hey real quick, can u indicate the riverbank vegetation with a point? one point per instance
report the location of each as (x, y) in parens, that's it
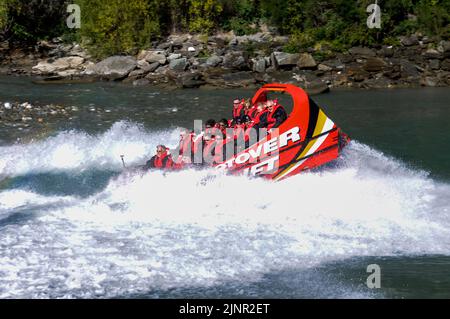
(123, 27)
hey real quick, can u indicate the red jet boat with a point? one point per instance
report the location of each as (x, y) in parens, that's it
(306, 140)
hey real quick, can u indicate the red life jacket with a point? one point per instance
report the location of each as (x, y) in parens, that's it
(214, 148)
(239, 131)
(252, 112)
(164, 161)
(238, 111)
(270, 119)
(259, 115)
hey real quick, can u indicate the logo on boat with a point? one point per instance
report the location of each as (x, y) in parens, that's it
(269, 148)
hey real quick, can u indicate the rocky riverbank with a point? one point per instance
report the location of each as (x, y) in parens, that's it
(229, 61)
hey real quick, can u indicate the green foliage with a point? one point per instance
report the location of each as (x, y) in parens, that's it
(203, 15)
(241, 16)
(3, 17)
(28, 20)
(434, 17)
(116, 26)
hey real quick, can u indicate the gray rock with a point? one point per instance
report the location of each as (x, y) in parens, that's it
(317, 87)
(362, 51)
(179, 38)
(178, 64)
(408, 69)
(324, 68)
(306, 61)
(115, 67)
(374, 65)
(429, 81)
(409, 40)
(260, 37)
(192, 80)
(214, 61)
(435, 64)
(137, 73)
(234, 41)
(174, 56)
(156, 56)
(432, 54)
(141, 82)
(444, 47)
(235, 60)
(153, 67)
(393, 72)
(283, 60)
(260, 65)
(61, 64)
(446, 65)
(144, 65)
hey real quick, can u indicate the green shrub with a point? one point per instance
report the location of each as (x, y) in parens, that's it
(116, 26)
(31, 20)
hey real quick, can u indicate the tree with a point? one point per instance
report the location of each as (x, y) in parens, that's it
(29, 20)
(117, 26)
(203, 15)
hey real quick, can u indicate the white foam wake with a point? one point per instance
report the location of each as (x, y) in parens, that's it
(201, 228)
(75, 150)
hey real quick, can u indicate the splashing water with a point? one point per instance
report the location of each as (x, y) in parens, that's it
(145, 235)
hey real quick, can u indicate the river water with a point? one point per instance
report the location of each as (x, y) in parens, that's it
(72, 225)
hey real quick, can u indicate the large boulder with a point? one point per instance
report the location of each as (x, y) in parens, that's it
(434, 64)
(147, 67)
(192, 80)
(174, 56)
(115, 67)
(408, 70)
(153, 56)
(409, 40)
(429, 81)
(284, 60)
(260, 65)
(374, 65)
(306, 61)
(58, 65)
(432, 54)
(444, 47)
(446, 65)
(178, 64)
(214, 61)
(235, 60)
(362, 51)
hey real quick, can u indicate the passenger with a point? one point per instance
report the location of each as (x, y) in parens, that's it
(276, 116)
(210, 130)
(238, 110)
(162, 159)
(246, 109)
(260, 119)
(252, 111)
(222, 126)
